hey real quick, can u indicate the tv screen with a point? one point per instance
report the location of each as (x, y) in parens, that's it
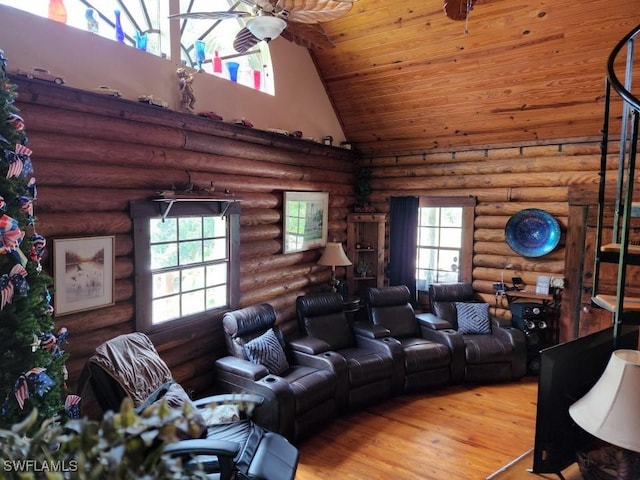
(567, 372)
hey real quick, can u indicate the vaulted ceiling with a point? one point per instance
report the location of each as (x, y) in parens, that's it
(404, 78)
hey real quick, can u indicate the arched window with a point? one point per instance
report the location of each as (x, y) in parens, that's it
(145, 24)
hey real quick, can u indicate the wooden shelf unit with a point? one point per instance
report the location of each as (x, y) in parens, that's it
(365, 249)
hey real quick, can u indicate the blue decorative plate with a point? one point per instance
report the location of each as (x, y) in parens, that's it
(532, 232)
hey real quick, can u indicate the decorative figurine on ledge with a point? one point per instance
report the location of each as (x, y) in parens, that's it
(185, 79)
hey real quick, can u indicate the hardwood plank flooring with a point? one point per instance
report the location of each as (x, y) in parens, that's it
(462, 432)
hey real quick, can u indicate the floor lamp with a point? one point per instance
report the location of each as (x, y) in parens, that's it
(609, 411)
(334, 256)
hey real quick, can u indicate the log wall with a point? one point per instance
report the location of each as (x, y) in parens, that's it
(505, 181)
(94, 154)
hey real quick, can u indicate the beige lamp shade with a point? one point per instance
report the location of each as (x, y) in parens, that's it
(609, 411)
(334, 256)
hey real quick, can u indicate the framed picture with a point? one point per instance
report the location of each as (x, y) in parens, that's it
(82, 273)
(305, 220)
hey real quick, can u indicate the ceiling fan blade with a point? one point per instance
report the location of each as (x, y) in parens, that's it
(244, 40)
(457, 9)
(212, 15)
(314, 11)
(307, 35)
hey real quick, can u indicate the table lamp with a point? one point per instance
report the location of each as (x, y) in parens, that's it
(609, 411)
(334, 256)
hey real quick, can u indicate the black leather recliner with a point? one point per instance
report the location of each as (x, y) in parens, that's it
(427, 363)
(366, 360)
(299, 399)
(230, 448)
(498, 354)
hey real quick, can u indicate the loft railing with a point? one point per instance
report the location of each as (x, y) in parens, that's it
(624, 208)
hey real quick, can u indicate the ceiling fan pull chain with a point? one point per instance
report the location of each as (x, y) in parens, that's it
(466, 21)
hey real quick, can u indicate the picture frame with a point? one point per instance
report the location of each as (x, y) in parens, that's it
(306, 218)
(83, 273)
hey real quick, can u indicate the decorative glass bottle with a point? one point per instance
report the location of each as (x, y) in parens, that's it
(57, 11)
(92, 23)
(119, 31)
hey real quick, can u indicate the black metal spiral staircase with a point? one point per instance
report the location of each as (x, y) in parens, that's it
(621, 251)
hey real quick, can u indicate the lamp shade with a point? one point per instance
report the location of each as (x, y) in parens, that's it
(334, 256)
(266, 27)
(609, 411)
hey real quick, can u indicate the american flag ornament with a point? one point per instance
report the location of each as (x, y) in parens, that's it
(6, 290)
(18, 276)
(16, 121)
(39, 381)
(15, 164)
(72, 406)
(21, 391)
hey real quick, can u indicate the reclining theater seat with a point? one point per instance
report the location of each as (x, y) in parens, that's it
(298, 399)
(491, 351)
(129, 366)
(426, 363)
(369, 366)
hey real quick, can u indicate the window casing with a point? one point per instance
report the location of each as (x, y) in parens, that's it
(186, 264)
(445, 240)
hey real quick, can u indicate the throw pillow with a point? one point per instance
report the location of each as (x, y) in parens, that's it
(473, 318)
(266, 350)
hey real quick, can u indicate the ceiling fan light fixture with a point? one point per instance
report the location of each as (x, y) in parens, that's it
(266, 27)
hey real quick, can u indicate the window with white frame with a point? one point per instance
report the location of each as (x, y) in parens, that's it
(144, 24)
(186, 261)
(445, 241)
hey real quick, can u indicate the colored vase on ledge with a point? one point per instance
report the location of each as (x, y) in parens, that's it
(119, 31)
(57, 11)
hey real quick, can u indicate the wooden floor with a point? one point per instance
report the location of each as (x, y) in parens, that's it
(462, 432)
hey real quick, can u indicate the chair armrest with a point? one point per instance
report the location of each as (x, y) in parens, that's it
(369, 330)
(229, 398)
(309, 345)
(201, 450)
(450, 338)
(241, 367)
(429, 320)
(203, 446)
(508, 334)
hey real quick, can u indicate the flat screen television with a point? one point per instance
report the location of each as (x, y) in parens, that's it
(567, 372)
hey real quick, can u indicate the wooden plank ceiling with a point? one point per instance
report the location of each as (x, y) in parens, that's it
(405, 79)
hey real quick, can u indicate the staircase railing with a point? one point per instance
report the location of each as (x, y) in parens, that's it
(624, 208)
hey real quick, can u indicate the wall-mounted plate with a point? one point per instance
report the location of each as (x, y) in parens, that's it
(532, 232)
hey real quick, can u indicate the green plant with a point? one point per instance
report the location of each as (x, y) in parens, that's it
(123, 446)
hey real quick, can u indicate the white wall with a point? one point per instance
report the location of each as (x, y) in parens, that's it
(86, 61)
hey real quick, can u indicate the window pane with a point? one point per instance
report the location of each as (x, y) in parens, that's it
(451, 217)
(429, 216)
(451, 237)
(217, 274)
(428, 237)
(216, 297)
(190, 228)
(193, 302)
(214, 227)
(164, 255)
(192, 278)
(160, 231)
(165, 284)
(448, 260)
(166, 309)
(190, 252)
(215, 249)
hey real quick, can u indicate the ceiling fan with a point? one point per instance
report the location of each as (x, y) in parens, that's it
(458, 9)
(296, 20)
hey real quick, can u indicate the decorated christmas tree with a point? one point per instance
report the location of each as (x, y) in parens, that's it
(32, 370)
